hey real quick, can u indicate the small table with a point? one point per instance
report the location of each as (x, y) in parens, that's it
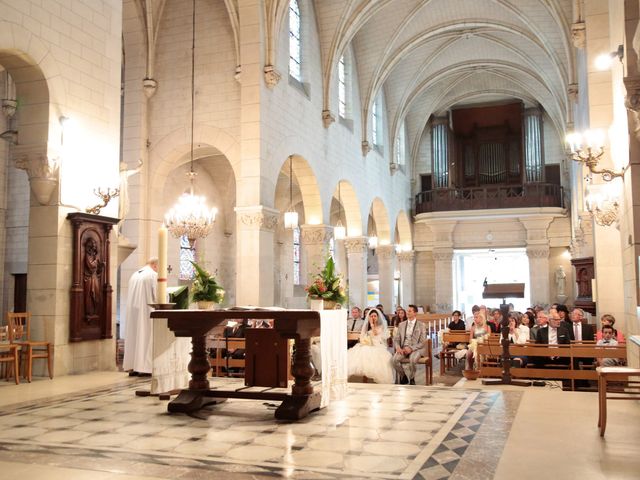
(300, 325)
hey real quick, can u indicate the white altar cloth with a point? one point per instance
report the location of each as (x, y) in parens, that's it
(171, 357)
(333, 348)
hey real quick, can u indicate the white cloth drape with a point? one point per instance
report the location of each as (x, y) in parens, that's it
(171, 356)
(333, 347)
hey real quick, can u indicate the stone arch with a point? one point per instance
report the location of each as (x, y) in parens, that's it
(307, 184)
(381, 218)
(350, 207)
(403, 229)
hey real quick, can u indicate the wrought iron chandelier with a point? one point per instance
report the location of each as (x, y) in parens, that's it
(290, 216)
(190, 216)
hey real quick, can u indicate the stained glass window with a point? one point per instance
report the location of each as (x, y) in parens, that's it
(296, 256)
(187, 255)
(342, 88)
(295, 45)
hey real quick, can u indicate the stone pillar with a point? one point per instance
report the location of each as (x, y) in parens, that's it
(254, 275)
(443, 257)
(386, 269)
(538, 253)
(357, 250)
(314, 240)
(407, 277)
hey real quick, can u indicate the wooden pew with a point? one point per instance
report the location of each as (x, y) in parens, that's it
(447, 355)
(570, 352)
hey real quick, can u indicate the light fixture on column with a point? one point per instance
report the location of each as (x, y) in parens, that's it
(602, 204)
(339, 232)
(291, 216)
(604, 61)
(190, 216)
(587, 148)
(9, 102)
(373, 242)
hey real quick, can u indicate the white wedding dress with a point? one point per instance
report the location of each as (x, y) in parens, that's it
(371, 358)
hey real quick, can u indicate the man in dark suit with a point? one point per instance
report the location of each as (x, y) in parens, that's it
(580, 331)
(554, 334)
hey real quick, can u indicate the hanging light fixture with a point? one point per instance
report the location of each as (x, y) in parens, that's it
(291, 216)
(190, 216)
(339, 232)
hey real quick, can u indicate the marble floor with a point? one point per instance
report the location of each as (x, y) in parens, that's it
(93, 426)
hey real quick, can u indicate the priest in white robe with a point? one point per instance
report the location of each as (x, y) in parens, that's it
(138, 339)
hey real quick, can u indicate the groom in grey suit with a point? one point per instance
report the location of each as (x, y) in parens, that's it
(408, 342)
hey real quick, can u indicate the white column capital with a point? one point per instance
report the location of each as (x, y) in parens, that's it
(407, 256)
(356, 245)
(257, 217)
(442, 254)
(386, 252)
(316, 234)
(538, 251)
(41, 165)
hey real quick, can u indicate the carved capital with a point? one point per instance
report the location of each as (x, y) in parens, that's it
(572, 91)
(393, 168)
(407, 256)
(327, 118)
(443, 255)
(9, 106)
(386, 252)
(539, 251)
(632, 99)
(271, 76)
(315, 234)
(366, 148)
(356, 245)
(149, 86)
(579, 34)
(41, 168)
(238, 74)
(257, 218)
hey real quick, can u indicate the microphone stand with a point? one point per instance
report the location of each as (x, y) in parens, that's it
(506, 355)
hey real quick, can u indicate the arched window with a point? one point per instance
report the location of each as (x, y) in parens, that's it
(375, 124)
(295, 44)
(401, 146)
(342, 88)
(187, 255)
(296, 256)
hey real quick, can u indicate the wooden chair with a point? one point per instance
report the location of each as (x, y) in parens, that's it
(427, 361)
(447, 355)
(9, 354)
(615, 374)
(20, 334)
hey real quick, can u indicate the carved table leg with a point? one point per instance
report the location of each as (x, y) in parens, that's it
(302, 400)
(194, 398)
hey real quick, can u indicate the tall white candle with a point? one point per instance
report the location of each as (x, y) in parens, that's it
(162, 264)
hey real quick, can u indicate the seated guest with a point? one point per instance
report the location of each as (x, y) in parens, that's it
(479, 329)
(610, 320)
(470, 320)
(494, 321)
(542, 321)
(554, 334)
(528, 319)
(380, 307)
(517, 334)
(578, 329)
(563, 311)
(607, 339)
(399, 317)
(408, 342)
(355, 321)
(370, 357)
(456, 322)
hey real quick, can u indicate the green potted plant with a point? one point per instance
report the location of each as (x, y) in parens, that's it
(327, 286)
(205, 291)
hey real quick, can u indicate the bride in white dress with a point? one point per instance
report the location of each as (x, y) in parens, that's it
(370, 356)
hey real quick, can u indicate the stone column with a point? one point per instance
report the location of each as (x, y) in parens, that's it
(357, 250)
(314, 240)
(254, 275)
(538, 253)
(443, 257)
(386, 269)
(407, 277)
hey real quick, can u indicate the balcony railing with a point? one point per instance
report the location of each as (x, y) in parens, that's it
(511, 196)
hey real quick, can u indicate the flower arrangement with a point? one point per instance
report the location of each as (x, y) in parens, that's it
(204, 287)
(327, 285)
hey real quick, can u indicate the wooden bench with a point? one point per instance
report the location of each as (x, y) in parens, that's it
(488, 353)
(619, 375)
(227, 361)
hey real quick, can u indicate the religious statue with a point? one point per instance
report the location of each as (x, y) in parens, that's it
(125, 173)
(560, 277)
(93, 267)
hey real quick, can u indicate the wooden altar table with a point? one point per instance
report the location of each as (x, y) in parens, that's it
(300, 325)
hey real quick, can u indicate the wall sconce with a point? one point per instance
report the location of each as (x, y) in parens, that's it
(373, 242)
(587, 148)
(602, 204)
(604, 61)
(291, 216)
